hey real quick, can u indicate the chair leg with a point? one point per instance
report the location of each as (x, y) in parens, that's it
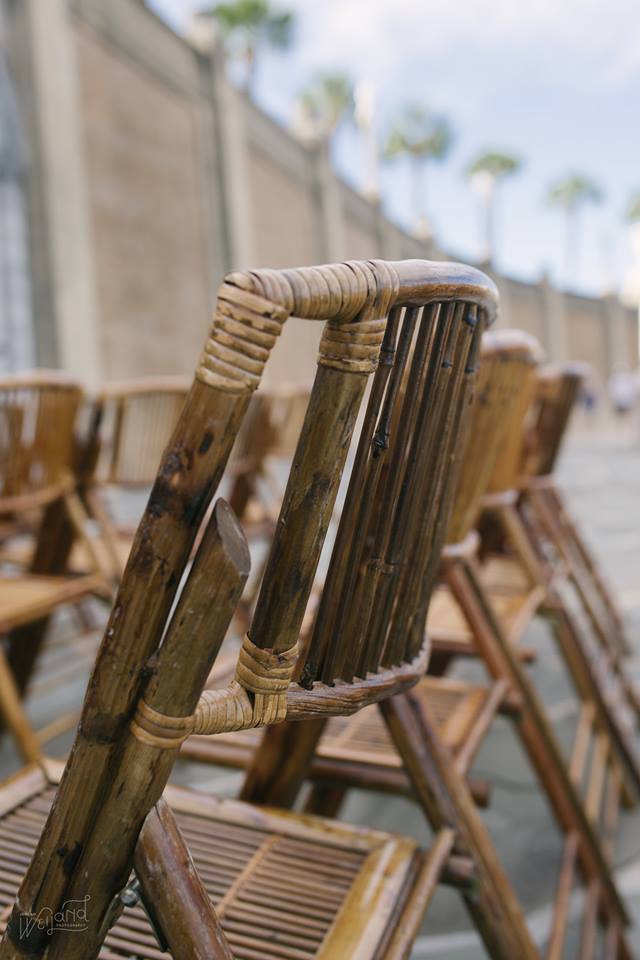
(586, 676)
(108, 534)
(533, 727)
(583, 552)
(517, 536)
(282, 763)
(446, 801)
(181, 912)
(552, 528)
(79, 519)
(54, 543)
(325, 799)
(432, 868)
(604, 618)
(14, 716)
(588, 683)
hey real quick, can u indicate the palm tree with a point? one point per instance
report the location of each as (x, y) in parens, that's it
(248, 25)
(422, 136)
(364, 114)
(323, 104)
(632, 212)
(570, 194)
(487, 172)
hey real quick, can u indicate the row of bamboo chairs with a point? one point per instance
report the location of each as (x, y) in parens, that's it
(421, 523)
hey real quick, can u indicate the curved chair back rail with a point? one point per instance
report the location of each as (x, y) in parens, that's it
(556, 392)
(38, 413)
(509, 359)
(412, 321)
(134, 420)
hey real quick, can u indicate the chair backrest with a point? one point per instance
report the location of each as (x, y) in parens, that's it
(135, 421)
(416, 326)
(38, 414)
(506, 475)
(556, 392)
(509, 359)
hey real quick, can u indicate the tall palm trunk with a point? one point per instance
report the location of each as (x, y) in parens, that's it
(250, 68)
(422, 226)
(489, 215)
(571, 247)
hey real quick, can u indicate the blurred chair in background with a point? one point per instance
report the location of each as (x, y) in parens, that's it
(256, 476)
(522, 550)
(556, 395)
(38, 457)
(265, 445)
(131, 423)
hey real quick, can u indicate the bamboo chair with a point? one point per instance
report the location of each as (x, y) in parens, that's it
(131, 423)
(556, 395)
(256, 474)
(283, 885)
(471, 608)
(359, 752)
(522, 523)
(37, 457)
(269, 435)
(122, 434)
(458, 709)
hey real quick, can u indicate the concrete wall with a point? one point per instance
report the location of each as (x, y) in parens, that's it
(146, 221)
(159, 177)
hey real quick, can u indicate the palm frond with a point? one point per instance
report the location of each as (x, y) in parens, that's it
(419, 133)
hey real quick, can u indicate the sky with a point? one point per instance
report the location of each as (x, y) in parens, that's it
(556, 82)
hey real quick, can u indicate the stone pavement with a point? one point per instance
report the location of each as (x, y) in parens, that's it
(600, 472)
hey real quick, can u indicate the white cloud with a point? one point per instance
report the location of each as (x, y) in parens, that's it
(555, 80)
(376, 35)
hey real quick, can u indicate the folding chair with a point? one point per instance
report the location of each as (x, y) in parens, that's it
(556, 394)
(454, 717)
(528, 540)
(268, 438)
(256, 477)
(131, 423)
(282, 884)
(37, 456)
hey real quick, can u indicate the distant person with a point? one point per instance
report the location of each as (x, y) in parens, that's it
(622, 390)
(588, 395)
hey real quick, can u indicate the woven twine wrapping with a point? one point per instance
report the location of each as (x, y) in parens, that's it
(352, 347)
(256, 696)
(159, 730)
(245, 328)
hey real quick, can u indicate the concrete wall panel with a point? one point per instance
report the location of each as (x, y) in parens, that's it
(142, 159)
